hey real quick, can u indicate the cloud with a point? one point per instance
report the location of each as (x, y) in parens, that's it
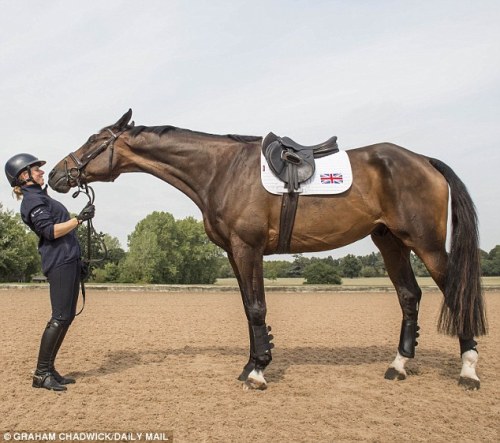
(425, 75)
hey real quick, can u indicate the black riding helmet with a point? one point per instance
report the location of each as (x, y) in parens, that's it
(18, 164)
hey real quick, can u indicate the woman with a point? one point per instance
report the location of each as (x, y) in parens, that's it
(60, 252)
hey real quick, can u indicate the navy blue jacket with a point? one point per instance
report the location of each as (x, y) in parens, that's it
(41, 212)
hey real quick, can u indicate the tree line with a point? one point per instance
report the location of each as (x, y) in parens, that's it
(163, 250)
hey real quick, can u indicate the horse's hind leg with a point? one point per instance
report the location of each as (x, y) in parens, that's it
(397, 262)
(436, 263)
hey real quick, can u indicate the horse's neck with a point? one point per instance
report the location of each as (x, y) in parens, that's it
(188, 161)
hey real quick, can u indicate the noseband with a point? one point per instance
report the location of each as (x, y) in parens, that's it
(75, 173)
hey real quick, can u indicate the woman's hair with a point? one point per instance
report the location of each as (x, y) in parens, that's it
(17, 192)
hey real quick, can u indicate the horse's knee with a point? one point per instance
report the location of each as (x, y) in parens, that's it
(256, 314)
(409, 300)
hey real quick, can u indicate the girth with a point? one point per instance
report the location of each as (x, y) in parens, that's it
(289, 202)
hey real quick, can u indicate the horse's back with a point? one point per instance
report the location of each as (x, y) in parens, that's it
(395, 168)
(403, 185)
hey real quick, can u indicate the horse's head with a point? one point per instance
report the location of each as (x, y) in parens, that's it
(90, 162)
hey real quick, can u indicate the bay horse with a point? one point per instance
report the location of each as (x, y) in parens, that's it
(398, 197)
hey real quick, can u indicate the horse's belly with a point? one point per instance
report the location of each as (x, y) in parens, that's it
(304, 241)
(322, 231)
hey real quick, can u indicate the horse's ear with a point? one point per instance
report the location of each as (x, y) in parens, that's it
(121, 124)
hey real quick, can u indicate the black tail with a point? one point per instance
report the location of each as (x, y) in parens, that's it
(463, 311)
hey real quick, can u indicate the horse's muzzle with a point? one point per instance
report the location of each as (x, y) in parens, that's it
(58, 181)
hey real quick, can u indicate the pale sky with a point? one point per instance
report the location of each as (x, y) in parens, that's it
(422, 74)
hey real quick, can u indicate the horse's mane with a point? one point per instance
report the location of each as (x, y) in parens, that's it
(162, 130)
(158, 130)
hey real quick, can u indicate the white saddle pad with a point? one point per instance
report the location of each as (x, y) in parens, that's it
(333, 175)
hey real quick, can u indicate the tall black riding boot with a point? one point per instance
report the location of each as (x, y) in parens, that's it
(60, 379)
(44, 377)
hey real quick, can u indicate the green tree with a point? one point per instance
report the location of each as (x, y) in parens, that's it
(298, 265)
(350, 266)
(96, 248)
(372, 265)
(146, 260)
(199, 256)
(19, 258)
(103, 246)
(104, 250)
(274, 269)
(114, 248)
(368, 271)
(322, 271)
(163, 250)
(490, 262)
(110, 272)
(418, 266)
(224, 269)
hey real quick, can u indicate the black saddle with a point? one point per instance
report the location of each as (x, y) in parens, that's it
(293, 163)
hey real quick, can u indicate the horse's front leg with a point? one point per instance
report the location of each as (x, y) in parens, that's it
(248, 268)
(397, 262)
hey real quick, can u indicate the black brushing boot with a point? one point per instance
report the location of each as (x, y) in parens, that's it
(60, 379)
(44, 377)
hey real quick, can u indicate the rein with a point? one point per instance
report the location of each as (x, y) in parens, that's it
(91, 232)
(75, 175)
(89, 192)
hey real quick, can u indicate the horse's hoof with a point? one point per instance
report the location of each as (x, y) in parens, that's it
(469, 383)
(249, 367)
(253, 385)
(255, 381)
(394, 374)
(243, 376)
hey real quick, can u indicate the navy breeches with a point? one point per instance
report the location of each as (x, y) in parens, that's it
(64, 289)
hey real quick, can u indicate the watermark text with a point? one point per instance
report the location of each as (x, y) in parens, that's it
(87, 436)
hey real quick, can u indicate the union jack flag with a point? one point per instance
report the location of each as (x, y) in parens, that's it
(331, 178)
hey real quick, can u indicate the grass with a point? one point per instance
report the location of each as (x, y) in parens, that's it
(371, 282)
(351, 282)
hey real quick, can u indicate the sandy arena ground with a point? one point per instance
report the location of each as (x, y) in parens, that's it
(168, 362)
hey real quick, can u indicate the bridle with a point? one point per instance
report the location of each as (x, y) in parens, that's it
(75, 173)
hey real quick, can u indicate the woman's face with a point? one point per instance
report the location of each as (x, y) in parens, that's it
(37, 174)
